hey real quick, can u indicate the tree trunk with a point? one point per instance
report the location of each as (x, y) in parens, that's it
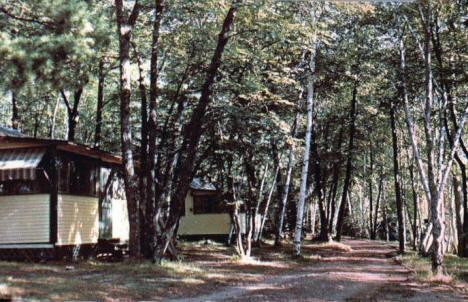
(73, 112)
(324, 231)
(151, 203)
(336, 174)
(125, 27)
(396, 175)
(371, 170)
(377, 206)
(313, 215)
(332, 198)
(54, 118)
(267, 205)
(352, 128)
(305, 165)
(15, 115)
(193, 131)
(252, 184)
(284, 197)
(146, 235)
(415, 208)
(256, 227)
(385, 223)
(100, 105)
(458, 217)
(448, 99)
(74, 116)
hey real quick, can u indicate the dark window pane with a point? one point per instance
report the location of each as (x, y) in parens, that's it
(78, 177)
(207, 204)
(20, 186)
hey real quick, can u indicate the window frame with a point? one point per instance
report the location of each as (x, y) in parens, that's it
(208, 204)
(70, 184)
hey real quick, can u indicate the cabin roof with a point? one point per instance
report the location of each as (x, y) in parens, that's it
(5, 131)
(198, 185)
(13, 139)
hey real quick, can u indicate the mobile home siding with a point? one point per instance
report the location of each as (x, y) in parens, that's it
(203, 224)
(24, 219)
(120, 225)
(78, 220)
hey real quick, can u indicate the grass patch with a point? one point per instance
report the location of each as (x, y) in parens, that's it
(306, 259)
(454, 266)
(92, 280)
(336, 246)
(244, 259)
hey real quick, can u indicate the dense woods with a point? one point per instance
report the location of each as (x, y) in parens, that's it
(330, 118)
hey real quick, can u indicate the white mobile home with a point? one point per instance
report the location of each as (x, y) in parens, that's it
(205, 216)
(49, 197)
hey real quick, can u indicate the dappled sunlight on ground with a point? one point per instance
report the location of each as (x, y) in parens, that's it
(351, 270)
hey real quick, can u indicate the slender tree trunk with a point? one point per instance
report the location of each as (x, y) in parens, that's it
(252, 184)
(452, 245)
(100, 105)
(385, 222)
(151, 129)
(324, 231)
(145, 226)
(436, 198)
(371, 170)
(305, 165)
(36, 123)
(125, 27)
(336, 174)
(74, 115)
(352, 128)
(284, 197)
(458, 210)
(377, 206)
(73, 112)
(415, 209)
(396, 175)
(332, 197)
(54, 118)
(256, 227)
(268, 201)
(15, 115)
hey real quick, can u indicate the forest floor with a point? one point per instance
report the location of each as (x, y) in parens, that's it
(367, 271)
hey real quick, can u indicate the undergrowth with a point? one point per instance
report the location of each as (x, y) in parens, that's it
(455, 267)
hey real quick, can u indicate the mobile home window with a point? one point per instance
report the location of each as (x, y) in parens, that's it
(78, 177)
(207, 204)
(23, 186)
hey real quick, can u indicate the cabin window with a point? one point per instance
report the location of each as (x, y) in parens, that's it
(207, 204)
(23, 186)
(78, 177)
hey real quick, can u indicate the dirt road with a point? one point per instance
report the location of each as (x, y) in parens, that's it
(368, 273)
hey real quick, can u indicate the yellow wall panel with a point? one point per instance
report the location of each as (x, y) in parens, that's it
(120, 224)
(203, 224)
(78, 220)
(24, 219)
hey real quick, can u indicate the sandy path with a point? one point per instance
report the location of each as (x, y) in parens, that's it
(365, 274)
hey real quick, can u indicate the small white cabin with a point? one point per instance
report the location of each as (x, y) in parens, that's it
(205, 214)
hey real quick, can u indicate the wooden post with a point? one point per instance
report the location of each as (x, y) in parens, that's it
(54, 177)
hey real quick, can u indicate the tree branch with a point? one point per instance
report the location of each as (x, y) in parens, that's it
(65, 99)
(45, 23)
(134, 15)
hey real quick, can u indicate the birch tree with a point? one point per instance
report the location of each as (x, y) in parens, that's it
(314, 12)
(434, 177)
